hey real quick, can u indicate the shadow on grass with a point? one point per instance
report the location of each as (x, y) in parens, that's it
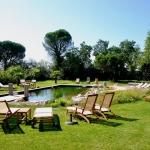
(13, 129)
(50, 127)
(122, 118)
(101, 121)
(117, 117)
(44, 127)
(105, 122)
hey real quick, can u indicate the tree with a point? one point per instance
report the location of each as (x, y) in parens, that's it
(55, 75)
(15, 73)
(11, 53)
(131, 53)
(57, 44)
(77, 62)
(111, 63)
(145, 64)
(100, 47)
(147, 49)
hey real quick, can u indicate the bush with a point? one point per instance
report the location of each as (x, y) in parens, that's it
(62, 102)
(54, 105)
(128, 96)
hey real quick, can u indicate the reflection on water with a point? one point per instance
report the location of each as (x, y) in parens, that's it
(46, 94)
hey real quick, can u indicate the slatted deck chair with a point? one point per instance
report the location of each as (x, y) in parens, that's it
(88, 80)
(96, 81)
(33, 84)
(5, 86)
(22, 82)
(139, 85)
(77, 80)
(43, 115)
(144, 85)
(6, 112)
(88, 108)
(147, 86)
(105, 104)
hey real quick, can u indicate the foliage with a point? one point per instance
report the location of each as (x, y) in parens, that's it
(145, 62)
(147, 49)
(55, 74)
(77, 62)
(57, 44)
(32, 73)
(4, 78)
(101, 47)
(117, 62)
(62, 102)
(111, 63)
(39, 70)
(128, 96)
(11, 53)
(15, 73)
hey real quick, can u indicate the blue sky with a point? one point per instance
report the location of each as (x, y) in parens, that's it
(27, 21)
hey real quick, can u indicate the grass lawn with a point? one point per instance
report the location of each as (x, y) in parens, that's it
(130, 130)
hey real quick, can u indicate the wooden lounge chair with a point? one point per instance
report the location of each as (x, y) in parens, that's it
(105, 104)
(144, 85)
(22, 82)
(88, 108)
(77, 80)
(33, 84)
(6, 112)
(96, 81)
(88, 80)
(42, 115)
(139, 85)
(147, 86)
(5, 86)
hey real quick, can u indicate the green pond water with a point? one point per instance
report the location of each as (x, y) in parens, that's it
(51, 93)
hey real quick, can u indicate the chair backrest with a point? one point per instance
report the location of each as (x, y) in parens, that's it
(1, 85)
(4, 108)
(90, 102)
(107, 100)
(77, 79)
(145, 84)
(33, 81)
(96, 80)
(139, 85)
(22, 80)
(88, 79)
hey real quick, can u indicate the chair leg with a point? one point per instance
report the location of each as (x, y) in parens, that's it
(102, 114)
(113, 113)
(96, 117)
(87, 120)
(33, 123)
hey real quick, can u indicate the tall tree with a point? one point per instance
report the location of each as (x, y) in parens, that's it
(147, 49)
(11, 53)
(131, 53)
(145, 65)
(111, 63)
(57, 44)
(77, 61)
(100, 48)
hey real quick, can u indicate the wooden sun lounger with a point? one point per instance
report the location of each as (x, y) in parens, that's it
(42, 115)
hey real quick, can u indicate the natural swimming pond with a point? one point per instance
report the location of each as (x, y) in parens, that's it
(56, 92)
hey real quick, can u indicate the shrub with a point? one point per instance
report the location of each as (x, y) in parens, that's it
(62, 102)
(128, 96)
(54, 105)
